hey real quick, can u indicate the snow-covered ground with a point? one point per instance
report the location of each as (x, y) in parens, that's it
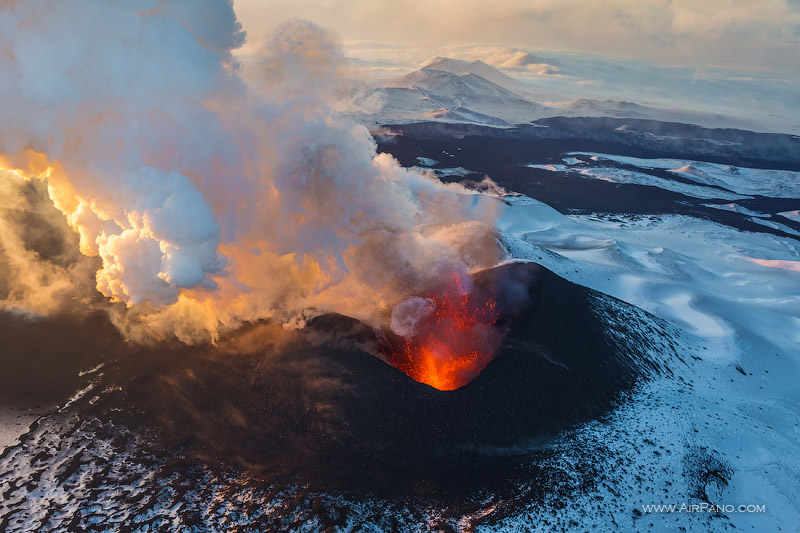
(745, 181)
(14, 422)
(791, 215)
(625, 176)
(736, 297)
(736, 208)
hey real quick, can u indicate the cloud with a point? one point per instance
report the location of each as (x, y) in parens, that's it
(207, 201)
(518, 60)
(751, 33)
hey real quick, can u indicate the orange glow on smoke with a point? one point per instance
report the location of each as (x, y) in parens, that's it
(454, 343)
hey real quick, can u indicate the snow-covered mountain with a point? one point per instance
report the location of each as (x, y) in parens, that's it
(448, 84)
(479, 68)
(451, 90)
(434, 94)
(474, 92)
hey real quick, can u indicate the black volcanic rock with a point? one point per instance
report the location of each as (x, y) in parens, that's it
(723, 145)
(316, 403)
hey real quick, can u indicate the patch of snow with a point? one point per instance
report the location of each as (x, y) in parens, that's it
(631, 177)
(791, 215)
(740, 180)
(454, 171)
(426, 161)
(776, 225)
(736, 208)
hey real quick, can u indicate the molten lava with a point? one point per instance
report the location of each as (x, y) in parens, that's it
(454, 343)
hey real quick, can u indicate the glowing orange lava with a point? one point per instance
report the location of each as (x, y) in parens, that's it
(454, 343)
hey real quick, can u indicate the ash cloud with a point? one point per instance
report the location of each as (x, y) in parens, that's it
(209, 201)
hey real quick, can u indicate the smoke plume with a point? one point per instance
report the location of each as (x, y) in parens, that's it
(205, 200)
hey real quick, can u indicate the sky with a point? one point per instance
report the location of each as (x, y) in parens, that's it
(753, 35)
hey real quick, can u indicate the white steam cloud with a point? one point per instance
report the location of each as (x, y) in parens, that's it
(407, 314)
(212, 201)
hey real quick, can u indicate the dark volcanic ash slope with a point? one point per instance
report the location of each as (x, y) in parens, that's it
(728, 146)
(271, 427)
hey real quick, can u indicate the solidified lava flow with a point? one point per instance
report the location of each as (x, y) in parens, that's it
(453, 344)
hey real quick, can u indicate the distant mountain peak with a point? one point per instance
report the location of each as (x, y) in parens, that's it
(478, 67)
(453, 84)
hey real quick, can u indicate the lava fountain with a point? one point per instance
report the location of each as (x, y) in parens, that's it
(448, 337)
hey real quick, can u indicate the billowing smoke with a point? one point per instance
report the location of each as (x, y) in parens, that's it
(42, 268)
(210, 200)
(409, 313)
